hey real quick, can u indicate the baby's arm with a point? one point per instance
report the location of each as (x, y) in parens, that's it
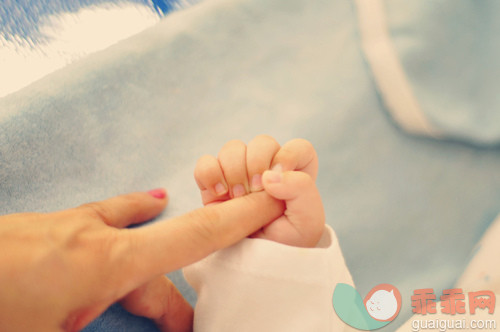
(286, 173)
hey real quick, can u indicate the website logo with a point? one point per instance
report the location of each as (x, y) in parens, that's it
(379, 307)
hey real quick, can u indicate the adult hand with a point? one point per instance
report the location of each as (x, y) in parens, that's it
(59, 271)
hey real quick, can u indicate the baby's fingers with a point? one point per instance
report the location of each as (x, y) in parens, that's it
(304, 209)
(232, 160)
(260, 153)
(298, 155)
(210, 179)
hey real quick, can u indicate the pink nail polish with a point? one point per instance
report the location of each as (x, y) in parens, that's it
(159, 193)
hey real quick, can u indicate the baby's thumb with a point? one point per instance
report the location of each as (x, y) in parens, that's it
(303, 201)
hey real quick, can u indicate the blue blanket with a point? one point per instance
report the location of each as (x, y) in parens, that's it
(407, 208)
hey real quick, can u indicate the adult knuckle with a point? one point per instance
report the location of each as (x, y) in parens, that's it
(205, 224)
(96, 210)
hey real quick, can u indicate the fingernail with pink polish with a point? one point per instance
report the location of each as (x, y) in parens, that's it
(159, 193)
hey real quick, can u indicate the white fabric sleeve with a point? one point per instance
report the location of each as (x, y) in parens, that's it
(261, 285)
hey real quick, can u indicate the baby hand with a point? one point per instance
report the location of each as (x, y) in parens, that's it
(287, 173)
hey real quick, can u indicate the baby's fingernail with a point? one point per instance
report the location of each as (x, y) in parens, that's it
(273, 176)
(220, 189)
(238, 190)
(277, 168)
(159, 193)
(256, 182)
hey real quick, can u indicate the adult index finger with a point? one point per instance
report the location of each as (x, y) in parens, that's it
(172, 244)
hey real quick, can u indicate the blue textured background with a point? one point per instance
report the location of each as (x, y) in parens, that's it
(407, 210)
